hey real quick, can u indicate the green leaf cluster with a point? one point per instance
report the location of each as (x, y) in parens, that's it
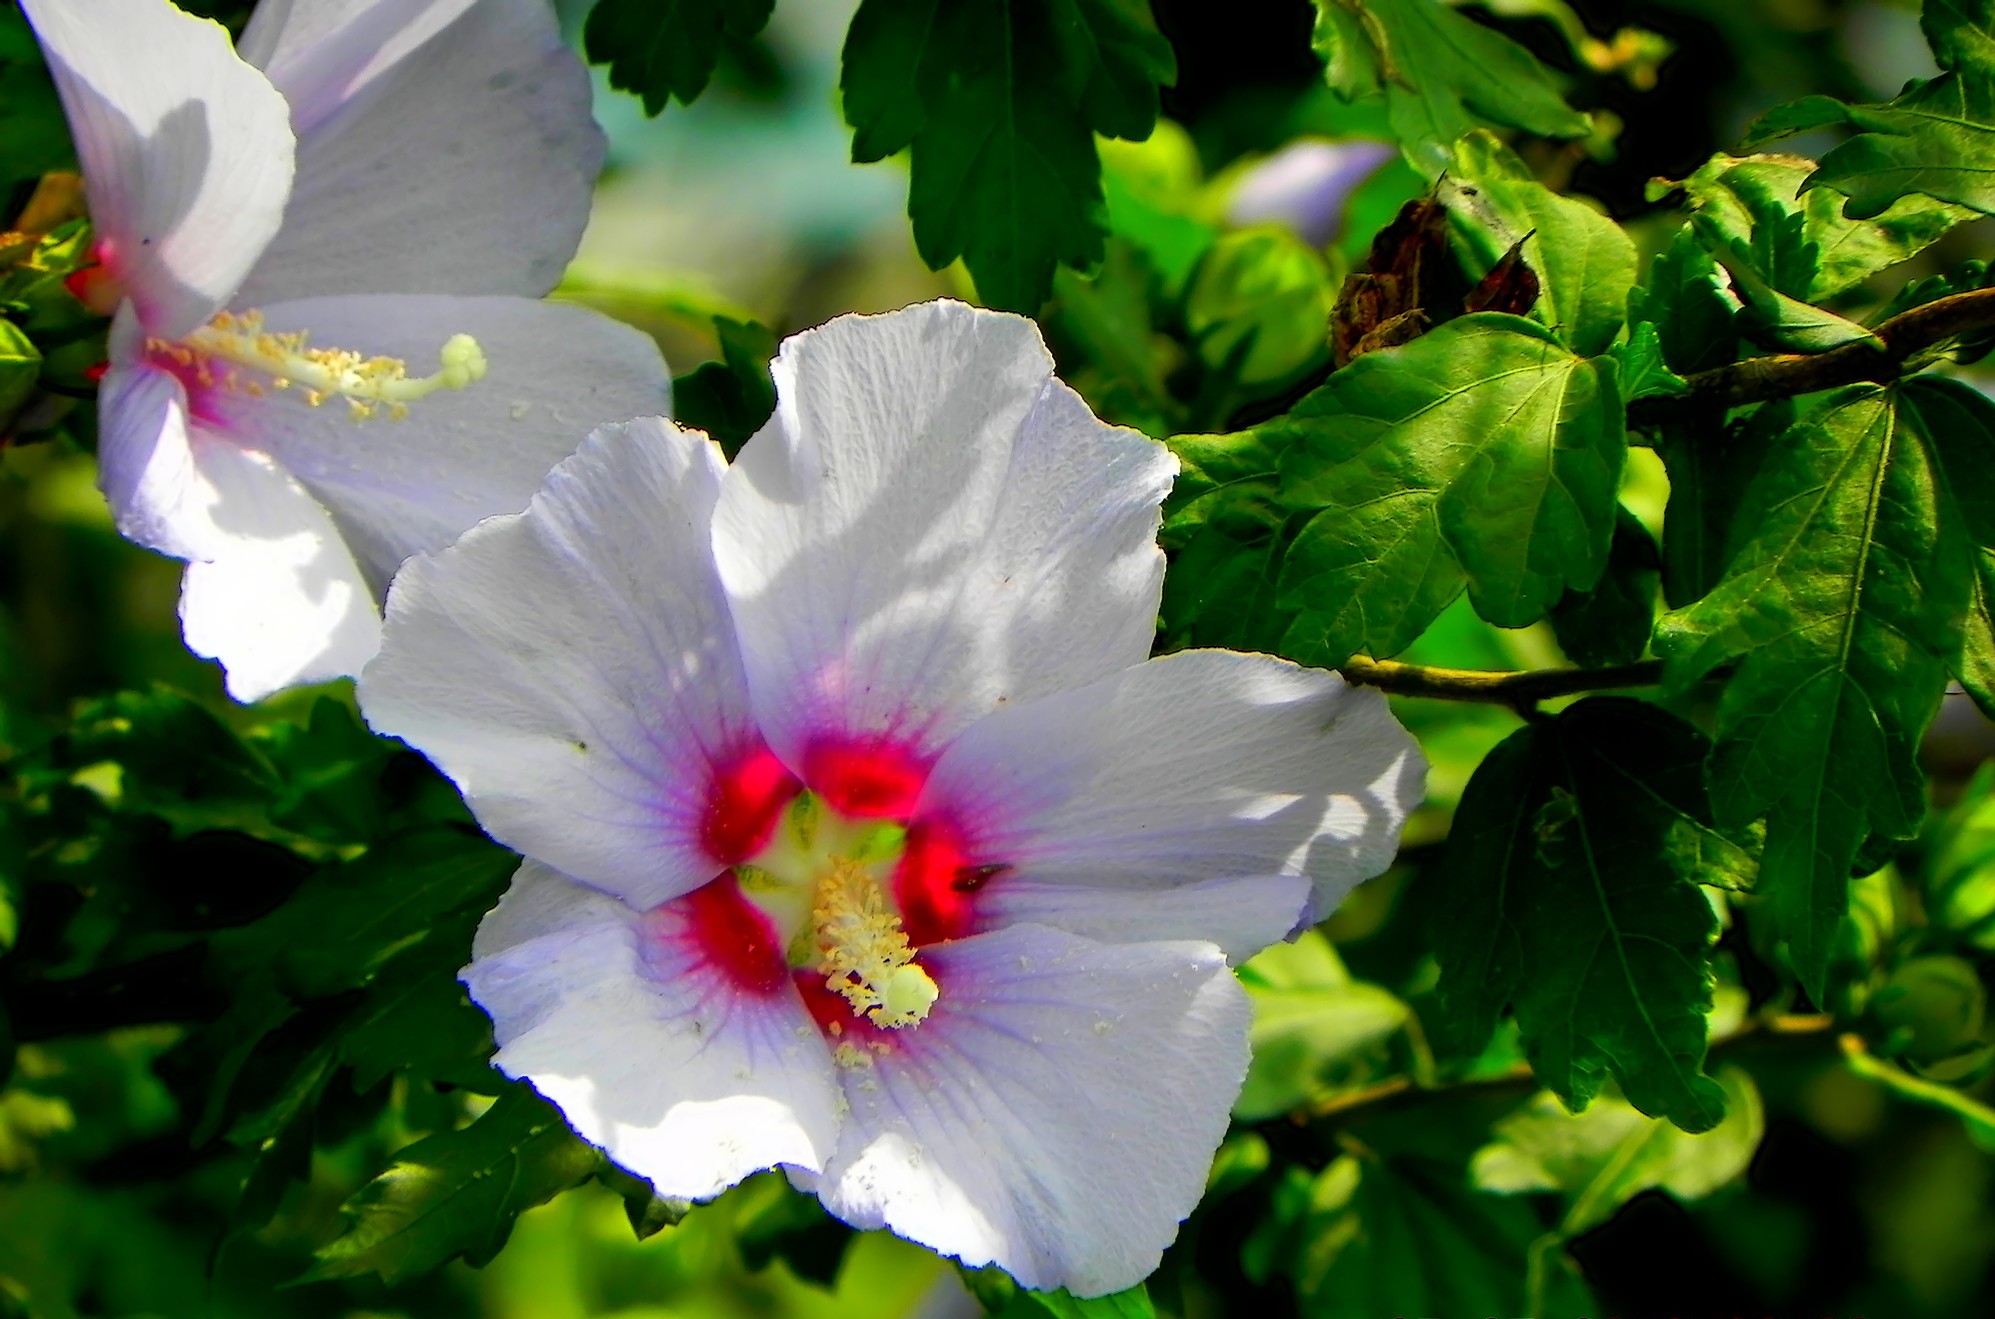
(1932, 140)
(997, 103)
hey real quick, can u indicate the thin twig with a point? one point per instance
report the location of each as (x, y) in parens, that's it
(1787, 375)
(1397, 1090)
(1523, 688)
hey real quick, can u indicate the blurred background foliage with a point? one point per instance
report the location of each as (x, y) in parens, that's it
(166, 855)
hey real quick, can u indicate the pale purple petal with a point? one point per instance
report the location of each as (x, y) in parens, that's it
(931, 527)
(1307, 185)
(649, 1050)
(443, 147)
(187, 151)
(144, 462)
(401, 487)
(1057, 1112)
(1182, 769)
(572, 668)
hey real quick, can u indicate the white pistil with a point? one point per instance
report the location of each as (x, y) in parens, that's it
(368, 384)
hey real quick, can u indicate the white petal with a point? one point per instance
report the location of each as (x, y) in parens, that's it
(572, 668)
(185, 148)
(271, 589)
(443, 147)
(1241, 913)
(1189, 767)
(1056, 1113)
(649, 1050)
(280, 601)
(401, 487)
(930, 527)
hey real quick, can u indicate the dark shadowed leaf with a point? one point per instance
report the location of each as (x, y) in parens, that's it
(661, 49)
(1611, 623)
(1857, 562)
(459, 1192)
(732, 398)
(998, 102)
(1569, 891)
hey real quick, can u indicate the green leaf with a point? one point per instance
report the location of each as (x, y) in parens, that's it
(350, 919)
(1131, 1304)
(1312, 1021)
(1709, 471)
(1227, 530)
(458, 1192)
(34, 136)
(1611, 623)
(1777, 320)
(1368, 1237)
(1569, 890)
(1842, 609)
(416, 1019)
(173, 758)
(998, 102)
(1259, 304)
(660, 49)
(1802, 242)
(1483, 453)
(1643, 372)
(1600, 1159)
(1935, 138)
(20, 367)
(1441, 74)
(1103, 333)
(1585, 261)
(732, 398)
(1958, 874)
(1689, 304)
(329, 774)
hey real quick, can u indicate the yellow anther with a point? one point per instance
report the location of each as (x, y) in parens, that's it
(863, 951)
(370, 385)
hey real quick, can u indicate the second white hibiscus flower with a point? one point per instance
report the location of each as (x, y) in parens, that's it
(862, 838)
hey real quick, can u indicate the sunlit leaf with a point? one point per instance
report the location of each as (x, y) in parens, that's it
(1441, 74)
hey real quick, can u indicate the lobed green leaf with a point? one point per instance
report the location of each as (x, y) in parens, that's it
(1440, 73)
(659, 50)
(998, 102)
(458, 1192)
(1842, 609)
(1483, 454)
(1585, 261)
(1937, 138)
(1569, 891)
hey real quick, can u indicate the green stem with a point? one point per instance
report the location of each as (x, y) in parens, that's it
(1525, 688)
(1787, 375)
